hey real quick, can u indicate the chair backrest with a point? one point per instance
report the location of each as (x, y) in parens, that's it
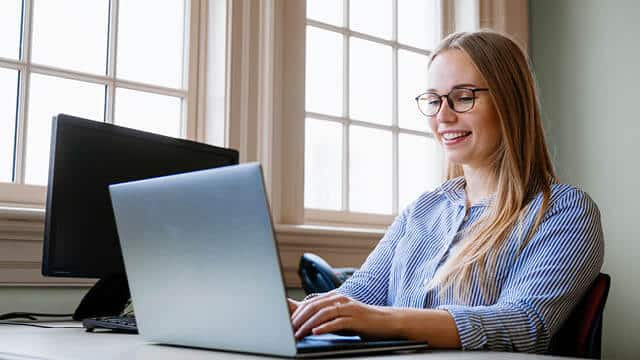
(580, 335)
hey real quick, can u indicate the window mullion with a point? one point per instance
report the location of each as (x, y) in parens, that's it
(103, 80)
(345, 108)
(394, 129)
(112, 54)
(23, 94)
(189, 61)
(11, 64)
(395, 180)
(363, 36)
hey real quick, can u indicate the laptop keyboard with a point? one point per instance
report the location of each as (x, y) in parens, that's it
(125, 324)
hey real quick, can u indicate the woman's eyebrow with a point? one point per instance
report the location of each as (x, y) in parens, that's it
(457, 86)
(464, 85)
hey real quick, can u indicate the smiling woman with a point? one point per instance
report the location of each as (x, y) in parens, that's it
(496, 256)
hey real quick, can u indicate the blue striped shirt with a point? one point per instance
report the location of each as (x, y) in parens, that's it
(535, 288)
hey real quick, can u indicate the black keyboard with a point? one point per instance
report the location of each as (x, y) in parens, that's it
(125, 324)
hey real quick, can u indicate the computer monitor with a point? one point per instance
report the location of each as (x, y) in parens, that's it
(86, 156)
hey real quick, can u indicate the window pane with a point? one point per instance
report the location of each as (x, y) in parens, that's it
(412, 80)
(49, 97)
(371, 17)
(326, 11)
(369, 170)
(71, 34)
(151, 53)
(10, 20)
(324, 72)
(418, 167)
(323, 165)
(419, 23)
(370, 85)
(158, 114)
(8, 101)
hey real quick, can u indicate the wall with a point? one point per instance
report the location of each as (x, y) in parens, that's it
(58, 300)
(586, 55)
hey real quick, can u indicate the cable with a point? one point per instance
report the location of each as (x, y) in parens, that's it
(36, 325)
(30, 316)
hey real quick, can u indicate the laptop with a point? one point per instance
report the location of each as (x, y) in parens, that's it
(203, 267)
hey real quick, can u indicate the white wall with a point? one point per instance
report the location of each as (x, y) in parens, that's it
(586, 55)
(60, 300)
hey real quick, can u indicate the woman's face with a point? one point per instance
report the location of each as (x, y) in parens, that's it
(469, 138)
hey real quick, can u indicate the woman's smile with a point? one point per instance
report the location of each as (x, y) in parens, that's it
(454, 137)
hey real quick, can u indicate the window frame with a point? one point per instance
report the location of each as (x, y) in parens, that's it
(192, 92)
(264, 45)
(344, 217)
(287, 190)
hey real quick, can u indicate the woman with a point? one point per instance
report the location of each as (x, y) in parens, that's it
(499, 254)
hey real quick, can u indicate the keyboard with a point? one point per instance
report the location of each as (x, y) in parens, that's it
(124, 324)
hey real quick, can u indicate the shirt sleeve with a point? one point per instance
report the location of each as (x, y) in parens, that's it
(547, 280)
(370, 283)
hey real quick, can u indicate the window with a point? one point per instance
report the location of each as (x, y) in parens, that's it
(125, 62)
(368, 150)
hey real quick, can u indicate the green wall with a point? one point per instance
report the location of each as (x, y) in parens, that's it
(586, 55)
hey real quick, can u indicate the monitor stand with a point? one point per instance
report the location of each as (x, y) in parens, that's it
(107, 297)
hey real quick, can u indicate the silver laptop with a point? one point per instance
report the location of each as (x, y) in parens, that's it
(203, 266)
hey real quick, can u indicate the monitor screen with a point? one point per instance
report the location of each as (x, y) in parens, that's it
(86, 156)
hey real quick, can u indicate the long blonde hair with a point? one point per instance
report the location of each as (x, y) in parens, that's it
(522, 164)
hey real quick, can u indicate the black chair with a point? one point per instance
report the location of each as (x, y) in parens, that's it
(581, 333)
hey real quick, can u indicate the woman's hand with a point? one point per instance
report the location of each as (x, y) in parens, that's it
(333, 312)
(293, 305)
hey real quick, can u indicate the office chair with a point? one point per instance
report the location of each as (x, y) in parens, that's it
(581, 334)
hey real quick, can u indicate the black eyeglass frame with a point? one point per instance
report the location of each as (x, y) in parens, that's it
(449, 101)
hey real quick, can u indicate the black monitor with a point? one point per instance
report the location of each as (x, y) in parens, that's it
(86, 156)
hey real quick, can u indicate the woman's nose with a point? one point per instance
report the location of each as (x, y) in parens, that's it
(446, 114)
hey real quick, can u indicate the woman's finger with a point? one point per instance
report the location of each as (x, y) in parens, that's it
(320, 317)
(293, 305)
(306, 311)
(337, 324)
(308, 308)
(312, 300)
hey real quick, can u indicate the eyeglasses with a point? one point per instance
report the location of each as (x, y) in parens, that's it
(460, 100)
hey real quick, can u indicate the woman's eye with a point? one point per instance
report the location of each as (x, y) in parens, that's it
(465, 99)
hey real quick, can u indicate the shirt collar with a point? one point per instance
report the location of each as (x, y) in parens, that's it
(453, 189)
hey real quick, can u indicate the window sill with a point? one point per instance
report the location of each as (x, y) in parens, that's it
(322, 230)
(339, 246)
(15, 212)
(21, 234)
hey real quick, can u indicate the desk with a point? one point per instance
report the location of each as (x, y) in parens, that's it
(30, 343)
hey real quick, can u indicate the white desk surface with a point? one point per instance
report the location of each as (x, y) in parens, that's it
(31, 343)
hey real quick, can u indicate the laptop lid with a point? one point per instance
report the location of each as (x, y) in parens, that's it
(202, 261)
(203, 266)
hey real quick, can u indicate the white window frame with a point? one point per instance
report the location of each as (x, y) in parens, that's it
(288, 115)
(344, 216)
(263, 117)
(267, 107)
(22, 206)
(193, 122)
